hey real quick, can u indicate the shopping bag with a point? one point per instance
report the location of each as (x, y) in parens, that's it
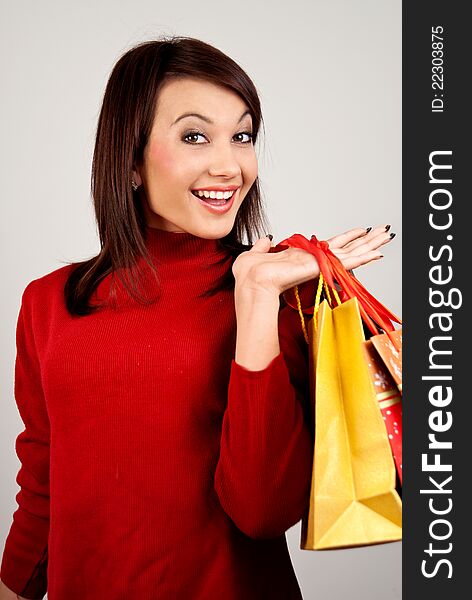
(391, 354)
(353, 500)
(389, 400)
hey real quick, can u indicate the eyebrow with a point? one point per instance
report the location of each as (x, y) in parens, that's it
(206, 119)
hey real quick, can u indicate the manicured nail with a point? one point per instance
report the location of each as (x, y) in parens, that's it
(270, 236)
(368, 229)
(392, 235)
(387, 227)
(381, 256)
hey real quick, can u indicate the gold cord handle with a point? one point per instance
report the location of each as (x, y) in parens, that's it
(321, 284)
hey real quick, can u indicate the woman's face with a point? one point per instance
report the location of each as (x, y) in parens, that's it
(212, 151)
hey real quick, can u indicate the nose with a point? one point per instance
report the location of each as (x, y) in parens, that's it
(224, 163)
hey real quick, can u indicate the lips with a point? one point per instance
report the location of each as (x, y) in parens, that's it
(225, 188)
(216, 205)
(214, 201)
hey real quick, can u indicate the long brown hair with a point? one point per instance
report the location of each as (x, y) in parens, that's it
(124, 125)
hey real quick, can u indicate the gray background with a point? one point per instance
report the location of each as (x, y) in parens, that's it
(329, 77)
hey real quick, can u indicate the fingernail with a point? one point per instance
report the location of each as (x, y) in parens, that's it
(381, 256)
(387, 227)
(392, 235)
(368, 229)
(270, 236)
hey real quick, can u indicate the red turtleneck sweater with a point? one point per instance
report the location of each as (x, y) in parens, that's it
(154, 466)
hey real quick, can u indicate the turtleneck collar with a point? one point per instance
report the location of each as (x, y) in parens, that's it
(182, 247)
(187, 266)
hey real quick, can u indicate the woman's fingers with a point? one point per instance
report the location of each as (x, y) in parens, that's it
(339, 241)
(369, 245)
(352, 262)
(355, 237)
(381, 230)
(359, 246)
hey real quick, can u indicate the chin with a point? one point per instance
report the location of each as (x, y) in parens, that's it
(209, 230)
(212, 235)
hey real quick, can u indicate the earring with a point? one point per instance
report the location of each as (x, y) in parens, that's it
(134, 185)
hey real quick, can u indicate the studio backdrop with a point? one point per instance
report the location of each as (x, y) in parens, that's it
(329, 79)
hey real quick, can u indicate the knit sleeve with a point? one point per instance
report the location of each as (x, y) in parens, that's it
(263, 474)
(24, 561)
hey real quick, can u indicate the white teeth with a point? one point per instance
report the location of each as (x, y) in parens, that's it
(213, 194)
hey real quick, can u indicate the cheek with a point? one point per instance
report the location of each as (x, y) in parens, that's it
(161, 159)
(167, 164)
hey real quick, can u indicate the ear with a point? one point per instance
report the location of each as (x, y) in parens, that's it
(136, 176)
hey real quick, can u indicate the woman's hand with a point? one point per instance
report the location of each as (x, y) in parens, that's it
(272, 273)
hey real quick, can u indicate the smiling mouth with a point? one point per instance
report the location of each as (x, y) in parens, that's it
(214, 198)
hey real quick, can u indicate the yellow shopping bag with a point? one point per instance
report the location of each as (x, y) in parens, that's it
(353, 501)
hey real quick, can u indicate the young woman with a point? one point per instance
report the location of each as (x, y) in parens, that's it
(163, 384)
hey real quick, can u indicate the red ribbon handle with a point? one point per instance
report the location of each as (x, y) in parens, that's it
(372, 311)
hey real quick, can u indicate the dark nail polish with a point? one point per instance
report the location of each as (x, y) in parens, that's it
(368, 229)
(270, 236)
(392, 235)
(381, 256)
(387, 227)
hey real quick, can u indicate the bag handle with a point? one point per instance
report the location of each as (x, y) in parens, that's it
(331, 270)
(321, 285)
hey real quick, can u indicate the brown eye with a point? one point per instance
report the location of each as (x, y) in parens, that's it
(249, 134)
(192, 134)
